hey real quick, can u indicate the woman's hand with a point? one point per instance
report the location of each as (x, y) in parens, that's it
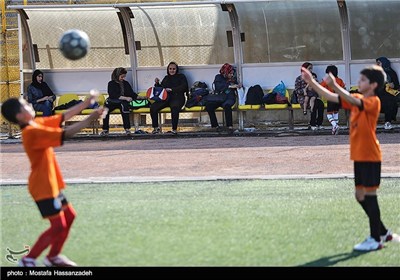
(168, 89)
(126, 98)
(157, 80)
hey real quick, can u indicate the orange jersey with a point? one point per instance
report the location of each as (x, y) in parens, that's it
(338, 81)
(39, 138)
(364, 146)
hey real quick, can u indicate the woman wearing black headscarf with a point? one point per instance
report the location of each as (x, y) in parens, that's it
(40, 95)
(388, 101)
(176, 85)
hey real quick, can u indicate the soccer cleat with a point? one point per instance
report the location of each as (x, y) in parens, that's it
(387, 237)
(58, 261)
(27, 262)
(368, 244)
(388, 125)
(335, 130)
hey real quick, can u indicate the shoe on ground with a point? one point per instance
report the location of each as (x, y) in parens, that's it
(127, 132)
(335, 130)
(388, 126)
(104, 133)
(174, 132)
(139, 131)
(27, 262)
(368, 245)
(217, 128)
(156, 130)
(314, 128)
(387, 237)
(58, 261)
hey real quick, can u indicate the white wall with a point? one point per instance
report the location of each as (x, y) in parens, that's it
(79, 81)
(267, 76)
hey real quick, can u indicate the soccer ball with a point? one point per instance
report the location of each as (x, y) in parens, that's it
(74, 44)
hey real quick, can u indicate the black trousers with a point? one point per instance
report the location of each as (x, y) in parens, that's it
(212, 106)
(124, 115)
(317, 114)
(388, 106)
(175, 102)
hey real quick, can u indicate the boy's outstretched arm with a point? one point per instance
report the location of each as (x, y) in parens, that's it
(75, 110)
(307, 76)
(71, 130)
(344, 94)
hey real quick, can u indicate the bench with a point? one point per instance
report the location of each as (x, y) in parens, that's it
(242, 109)
(195, 109)
(67, 97)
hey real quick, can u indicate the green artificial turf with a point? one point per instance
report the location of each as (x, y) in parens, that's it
(211, 223)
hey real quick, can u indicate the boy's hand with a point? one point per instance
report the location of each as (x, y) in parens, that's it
(94, 94)
(330, 80)
(306, 75)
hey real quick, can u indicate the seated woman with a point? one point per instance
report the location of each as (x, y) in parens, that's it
(176, 85)
(40, 95)
(301, 89)
(388, 100)
(224, 81)
(120, 93)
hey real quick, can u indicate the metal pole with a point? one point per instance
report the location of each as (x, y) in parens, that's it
(5, 56)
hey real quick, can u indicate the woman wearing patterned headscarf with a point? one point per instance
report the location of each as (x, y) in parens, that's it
(120, 93)
(40, 95)
(388, 101)
(226, 82)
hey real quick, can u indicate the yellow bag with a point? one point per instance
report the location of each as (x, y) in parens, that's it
(390, 90)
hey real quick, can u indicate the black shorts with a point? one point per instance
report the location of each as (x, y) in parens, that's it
(51, 206)
(367, 174)
(332, 107)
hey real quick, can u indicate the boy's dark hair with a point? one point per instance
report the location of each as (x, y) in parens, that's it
(375, 74)
(332, 69)
(10, 108)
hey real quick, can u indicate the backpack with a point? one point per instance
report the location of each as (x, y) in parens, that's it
(255, 95)
(196, 94)
(269, 98)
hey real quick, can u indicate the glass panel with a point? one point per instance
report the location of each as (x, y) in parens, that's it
(374, 29)
(101, 25)
(290, 31)
(188, 35)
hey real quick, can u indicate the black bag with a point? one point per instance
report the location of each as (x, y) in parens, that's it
(255, 95)
(216, 97)
(68, 105)
(269, 98)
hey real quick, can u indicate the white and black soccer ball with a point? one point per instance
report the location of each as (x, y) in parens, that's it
(74, 44)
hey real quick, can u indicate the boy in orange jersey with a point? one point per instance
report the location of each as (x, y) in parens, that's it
(332, 110)
(45, 184)
(364, 146)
